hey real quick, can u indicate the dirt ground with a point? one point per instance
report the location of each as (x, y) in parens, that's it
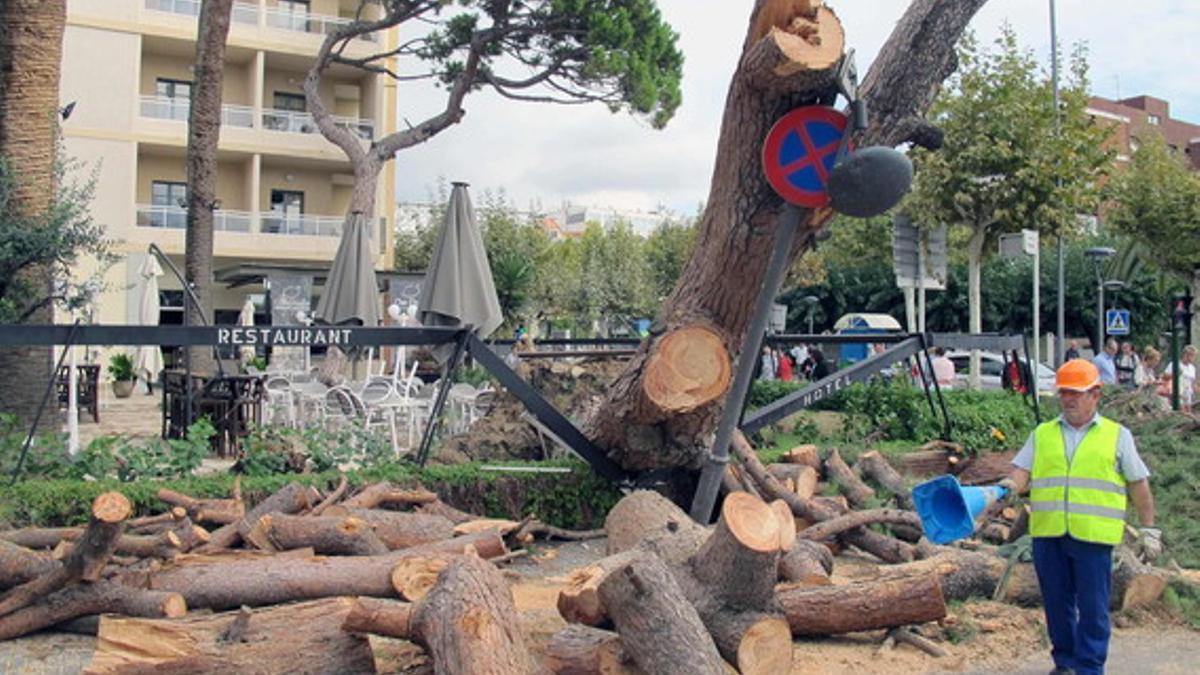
(979, 637)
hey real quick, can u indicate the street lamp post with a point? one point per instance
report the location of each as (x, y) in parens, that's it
(1099, 254)
(812, 301)
(1061, 327)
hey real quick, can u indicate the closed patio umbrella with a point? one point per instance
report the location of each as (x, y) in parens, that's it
(148, 362)
(351, 294)
(246, 318)
(458, 288)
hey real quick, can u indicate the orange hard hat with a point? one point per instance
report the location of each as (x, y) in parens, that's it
(1077, 375)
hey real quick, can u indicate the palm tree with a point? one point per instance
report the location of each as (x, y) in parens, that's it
(31, 35)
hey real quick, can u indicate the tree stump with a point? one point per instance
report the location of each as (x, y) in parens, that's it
(804, 455)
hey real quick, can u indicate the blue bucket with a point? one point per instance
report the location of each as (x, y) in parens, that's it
(948, 510)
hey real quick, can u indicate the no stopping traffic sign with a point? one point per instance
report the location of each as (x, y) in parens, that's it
(800, 152)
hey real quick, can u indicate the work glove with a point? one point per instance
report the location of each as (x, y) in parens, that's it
(1010, 497)
(1150, 542)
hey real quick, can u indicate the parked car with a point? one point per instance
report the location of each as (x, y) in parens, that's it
(991, 371)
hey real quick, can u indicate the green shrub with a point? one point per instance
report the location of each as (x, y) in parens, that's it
(764, 392)
(120, 367)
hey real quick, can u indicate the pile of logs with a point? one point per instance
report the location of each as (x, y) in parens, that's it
(385, 560)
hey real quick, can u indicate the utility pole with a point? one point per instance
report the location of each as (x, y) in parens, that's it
(1061, 327)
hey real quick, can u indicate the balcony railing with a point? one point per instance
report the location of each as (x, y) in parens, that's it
(303, 123)
(175, 218)
(310, 23)
(303, 224)
(167, 108)
(243, 12)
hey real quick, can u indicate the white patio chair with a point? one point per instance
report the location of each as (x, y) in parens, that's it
(280, 401)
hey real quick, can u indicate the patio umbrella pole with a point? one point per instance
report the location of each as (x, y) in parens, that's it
(435, 415)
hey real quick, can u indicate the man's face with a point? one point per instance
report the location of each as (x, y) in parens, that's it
(1111, 348)
(1079, 406)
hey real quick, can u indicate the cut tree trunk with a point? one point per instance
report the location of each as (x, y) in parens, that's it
(291, 498)
(659, 629)
(718, 285)
(155, 524)
(579, 600)
(382, 617)
(268, 580)
(837, 471)
(413, 578)
(103, 597)
(583, 650)
(874, 466)
(440, 508)
(300, 638)
(327, 535)
(221, 511)
(804, 455)
(1134, 583)
(87, 556)
(468, 622)
(854, 519)
(645, 514)
(806, 562)
(19, 565)
(864, 605)
(401, 530)
(386, 494)
(803, 478)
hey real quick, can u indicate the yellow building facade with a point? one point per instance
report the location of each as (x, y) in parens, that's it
(282, 189)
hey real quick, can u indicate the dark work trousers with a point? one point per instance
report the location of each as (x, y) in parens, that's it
(1076, 579)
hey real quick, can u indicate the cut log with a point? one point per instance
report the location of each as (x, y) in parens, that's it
(875, 467)
(328, 535)
(162, 545)
(858, 492)
(401, 530)
(531, 529)
(1134, 583)
(659, 629)
(219, 511)
(102, 597)
(583, 650)
(440, 508)
(190, 536)
(803, 478)
(805, 455)
(19, 565)
(155, 524)
(386, 494)
(835, 526)
(413, 578)
(41, 537)
(739, 561)
(579, 600)
(806, 562)
(268, 580)
(906, 636)
(381, 617)
(299, 638)
(504, 525)
(468, 622)
(291, 498)
(864, 605)
(688, 368)
(963, 574)
(87, 557)
(644, 514)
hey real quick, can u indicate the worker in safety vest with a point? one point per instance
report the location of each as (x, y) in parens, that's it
(1079, 469)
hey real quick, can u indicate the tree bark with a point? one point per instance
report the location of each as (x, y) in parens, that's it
(222, 511)
(441, 508)
(382, 617)
(807, 455)
(385, 494)
(582, 650)
(836, 470)
(327, 535)
(806, 562)
(413, 578)
(468, 622)
(836, 526)
(204, 129)
(19, 565)
(31, 36)
(86, 558)
(268, 580)
(658, 627)
(644, 514)
(102, 597)
(291, 498)
(865, 605)
(300, 638)
(401, 530)
(874, 466)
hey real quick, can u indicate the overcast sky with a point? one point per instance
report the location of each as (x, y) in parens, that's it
(547, 154)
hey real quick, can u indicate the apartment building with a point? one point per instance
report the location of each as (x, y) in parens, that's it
(1133, 117)
(282, 188)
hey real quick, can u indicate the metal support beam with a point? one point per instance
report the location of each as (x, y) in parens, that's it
(435, 415)
(545, 413)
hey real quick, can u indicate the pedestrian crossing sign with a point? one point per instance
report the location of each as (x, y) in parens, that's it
(1117, 321)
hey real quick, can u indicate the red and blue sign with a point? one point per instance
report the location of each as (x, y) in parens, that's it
(800, 152)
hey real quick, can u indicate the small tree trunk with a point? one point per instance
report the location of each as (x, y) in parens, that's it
(103, 597)
(299, 638)
(469, 624)
(386, 494)
(329, 535)
(858, 492)
(401, 530)
(806, 562)
(867, 605)
(291, 498)
(974, 300)
(222, 511)
(645, 514)
(659, 628)
(382, 617)
(806, 455)
(19, 565)
(874, 466)
(854, 519)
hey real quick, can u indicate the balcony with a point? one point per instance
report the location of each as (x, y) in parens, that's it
(302, 224)
(175, 218)
(243, 12)
(166, 108)
(317, 24)
(303, 123)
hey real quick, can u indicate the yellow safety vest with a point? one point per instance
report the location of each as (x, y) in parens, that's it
(1085, 498)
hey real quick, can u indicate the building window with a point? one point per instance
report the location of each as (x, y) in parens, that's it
(287, 209)
(169, 200)
(290, 102)
(175, 96)
(294, 6)
(1153, 119)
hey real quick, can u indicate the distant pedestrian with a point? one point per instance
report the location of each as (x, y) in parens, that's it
(820, 367)
(943, 368)
(1187, 377)
(784, 373)
(1104, 361)
(767, 365)
(1072, 351)
(1126, 364)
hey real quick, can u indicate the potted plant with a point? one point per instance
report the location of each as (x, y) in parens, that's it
(120, 367)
